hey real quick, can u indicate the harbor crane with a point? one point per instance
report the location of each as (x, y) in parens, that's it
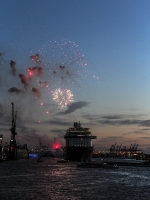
(13, 128)
(12, 147)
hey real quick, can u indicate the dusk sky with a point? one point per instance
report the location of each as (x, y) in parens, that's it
(97, 53)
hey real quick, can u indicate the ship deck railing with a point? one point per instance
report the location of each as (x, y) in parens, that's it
(75, 131)
(80, 136)
(72, 146)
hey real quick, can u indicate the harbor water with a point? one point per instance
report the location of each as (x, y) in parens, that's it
(48, 180)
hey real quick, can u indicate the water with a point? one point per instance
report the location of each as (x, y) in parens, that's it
(28, 179)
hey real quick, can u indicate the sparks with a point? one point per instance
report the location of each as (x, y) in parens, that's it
(63, 98)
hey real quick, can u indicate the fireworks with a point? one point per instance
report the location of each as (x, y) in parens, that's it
(35, 58)
(64, 62)
(63, 98)
(56, 72)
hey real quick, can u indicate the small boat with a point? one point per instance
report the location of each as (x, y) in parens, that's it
(39, 160)
(126, 161)
(110, 166)
(97, 165)
(62, 161)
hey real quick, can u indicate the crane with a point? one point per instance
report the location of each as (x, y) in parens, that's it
(12, 147)
(13, 128)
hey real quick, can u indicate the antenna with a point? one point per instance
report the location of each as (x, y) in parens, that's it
(15, 119)
(12, 114)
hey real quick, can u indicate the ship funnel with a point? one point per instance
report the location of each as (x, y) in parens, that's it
(75, 124)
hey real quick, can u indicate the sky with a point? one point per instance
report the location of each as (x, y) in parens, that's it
(96, 53)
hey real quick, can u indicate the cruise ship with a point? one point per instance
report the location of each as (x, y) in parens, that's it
(78, 143)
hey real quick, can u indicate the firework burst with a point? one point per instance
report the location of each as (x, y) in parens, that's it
(64, 63)
(63, 98)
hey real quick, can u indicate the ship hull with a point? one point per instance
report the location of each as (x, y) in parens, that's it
(78, 153)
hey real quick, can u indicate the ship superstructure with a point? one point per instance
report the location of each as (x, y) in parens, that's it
(78, 143)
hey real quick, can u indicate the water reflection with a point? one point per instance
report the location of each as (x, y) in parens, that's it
(27, 179)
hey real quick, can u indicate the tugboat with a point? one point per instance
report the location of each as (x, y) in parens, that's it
(62, 161)
(78, 143)
(97, 165)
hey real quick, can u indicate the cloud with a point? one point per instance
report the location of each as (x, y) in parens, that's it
(36, 91)
(4, 115)
(1, 111)
(24, 79)
(12, 65)
(139, 131)
(73, 107)
(32, 135)
(125, 122)
(119, 120)
(57, 131)
(109, 139)
(121, 116)
(57, 121)
(110, 117)
(14, 89)
(147, 138)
